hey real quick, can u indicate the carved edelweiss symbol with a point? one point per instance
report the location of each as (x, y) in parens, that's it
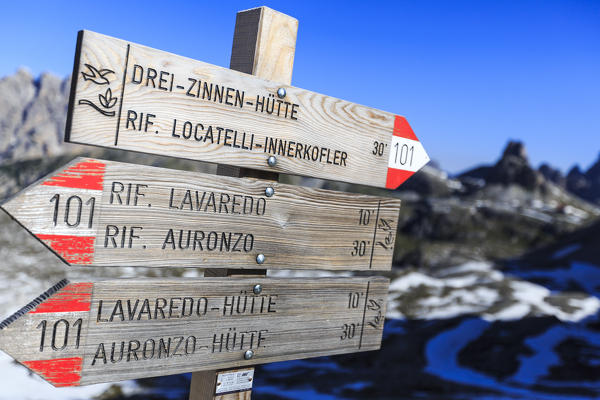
(107, 101)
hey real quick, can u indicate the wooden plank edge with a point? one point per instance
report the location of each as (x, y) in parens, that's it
(33, 303)
(73, 90)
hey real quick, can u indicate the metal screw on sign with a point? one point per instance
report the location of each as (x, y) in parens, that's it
(269, 192)
(272, 160)
(260, 258)
(248, 354)
(257, 289)
(281, 93)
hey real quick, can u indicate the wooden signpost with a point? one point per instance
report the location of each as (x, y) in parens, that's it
(105, 213)
(132, 97)
(81, 333)
(264, 44)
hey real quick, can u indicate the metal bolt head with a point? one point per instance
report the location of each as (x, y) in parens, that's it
(269, 192)
(281, 93)
(272, 160)
(260, 258)
(257, 289)
(248, 354)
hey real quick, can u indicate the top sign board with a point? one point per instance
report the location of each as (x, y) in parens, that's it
(132, 97)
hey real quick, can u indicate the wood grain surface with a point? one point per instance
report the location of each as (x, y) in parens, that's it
(129, 96)
(264, 43)
(105, 213)
(80, 333)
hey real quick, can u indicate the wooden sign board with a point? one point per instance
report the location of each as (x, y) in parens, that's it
(104, 213)
(132, 97)
(89, 332)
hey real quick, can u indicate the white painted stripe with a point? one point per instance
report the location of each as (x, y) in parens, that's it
(407, 154)
(42, 220)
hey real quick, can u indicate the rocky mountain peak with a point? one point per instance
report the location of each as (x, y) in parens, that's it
(594, 172)
(514, 167)
(515, 150)
(32, 116)
(552, 174)
(585, 184)
(576, 180)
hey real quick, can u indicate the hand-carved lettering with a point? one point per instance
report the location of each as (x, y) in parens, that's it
(249, 304)
(212, 241)
(302, 151)
(158, 79)
(139, 118)
(148, 349)
(179, 339)
(131, 193)
(234, 340)
(145, 309)
(114, 232)
(216, 203)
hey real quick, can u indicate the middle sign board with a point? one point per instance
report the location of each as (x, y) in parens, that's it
(105, 213)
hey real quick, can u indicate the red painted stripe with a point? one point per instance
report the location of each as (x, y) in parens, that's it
(396, 177)
(72, 298)
(83, 175)
(59, 372)
(74, 249)
(403, 129)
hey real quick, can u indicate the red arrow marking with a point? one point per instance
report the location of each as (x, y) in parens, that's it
(403, 129)
(89, 175)
(60, 371)
(396, 177)
(83, 175)
(74, 249)
(72, 298)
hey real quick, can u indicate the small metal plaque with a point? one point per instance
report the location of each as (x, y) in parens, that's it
(234, 381)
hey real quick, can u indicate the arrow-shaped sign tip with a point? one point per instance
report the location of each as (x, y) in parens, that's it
(407, 154)
(75, 245)
(61, 298)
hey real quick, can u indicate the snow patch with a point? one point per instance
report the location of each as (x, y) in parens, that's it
(23, 385)
(475, 288)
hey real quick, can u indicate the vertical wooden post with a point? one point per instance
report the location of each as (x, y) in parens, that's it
(264, 44)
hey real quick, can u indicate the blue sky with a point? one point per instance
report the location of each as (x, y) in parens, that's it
(468, 75)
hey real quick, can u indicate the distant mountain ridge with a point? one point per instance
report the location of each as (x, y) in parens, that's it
(514, 167)
(33, 114)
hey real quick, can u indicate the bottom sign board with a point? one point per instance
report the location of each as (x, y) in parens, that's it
(79, 333)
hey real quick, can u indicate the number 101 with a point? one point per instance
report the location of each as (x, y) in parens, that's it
(402, 153)
(73, 209)
(60, 334)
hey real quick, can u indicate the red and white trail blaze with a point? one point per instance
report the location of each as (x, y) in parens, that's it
(407, 154)
(73, 300)
(87, 177)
